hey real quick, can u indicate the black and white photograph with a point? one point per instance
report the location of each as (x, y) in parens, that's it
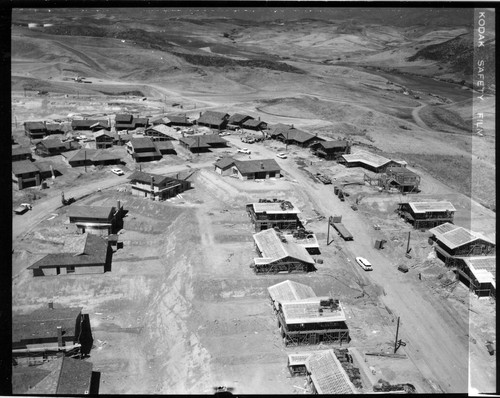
(252, 198)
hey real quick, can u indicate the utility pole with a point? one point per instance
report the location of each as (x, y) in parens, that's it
(85, 161)
(397, 334)
(328, 233)
(286, 143)
(198, 145)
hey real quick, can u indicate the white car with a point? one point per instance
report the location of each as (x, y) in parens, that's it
(364, 263)
(244, 150)
(282, 155)
(118, 172)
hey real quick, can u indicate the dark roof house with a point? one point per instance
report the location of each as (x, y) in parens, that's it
(212, 119)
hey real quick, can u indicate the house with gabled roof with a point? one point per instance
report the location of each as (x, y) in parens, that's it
(177, 120)
(212, 119)
(297, 137)
(90, 124)
(21, 153)
(306, 319)
(253, 124)
(236, 120)
(129, 122)
(54, 146)
(55, 329)
(256, 169)
(104, 139)
(161, 132)
(478, 273)
(277, 254)
(165, 147)
(452, 241)
(143, 149)
(98, 220)
(35, 130)
(27, 174)
(155, 186)
(91, 157)
(325, 374)
(81, 254)
(331, 150)
(203, 143)
(54, 128)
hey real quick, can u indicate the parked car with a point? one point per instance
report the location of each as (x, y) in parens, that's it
(282, 155)
(244, 150)
(364, 263)
(118, 172)
(22, 208)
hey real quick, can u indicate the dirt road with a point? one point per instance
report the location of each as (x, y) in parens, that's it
(439, 349)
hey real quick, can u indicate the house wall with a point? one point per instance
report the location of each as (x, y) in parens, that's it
(27, 180)
(90, 270)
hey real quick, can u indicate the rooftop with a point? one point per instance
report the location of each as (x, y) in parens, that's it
(83, 211)
(332, 144)
(275, 208)
(252, 122)
(145, 178)
(454, 236)
(21, 150)
(163, 129)
(424, 207)
(164, 145)
(289, 291)
(23, 167)
(273, 249)
(328, 375)
(177, 119)
(212, 117)
(256, 165)
(308, 311)
(224, 162)
(238, 118)
(35, 125)
(141, 143)
(298, 135)
(368, 158)
(94, 253)
(43, 323)
(400, 171)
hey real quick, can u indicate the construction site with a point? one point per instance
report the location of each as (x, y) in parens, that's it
(202, 266)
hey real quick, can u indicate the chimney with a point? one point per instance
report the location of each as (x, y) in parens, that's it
(118, 205)
(292, 126)
(51, 305)
(259, 118)
(200, 114)
(261, 165)
(59, 337)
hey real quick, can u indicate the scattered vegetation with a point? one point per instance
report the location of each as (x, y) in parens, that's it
(442, 119)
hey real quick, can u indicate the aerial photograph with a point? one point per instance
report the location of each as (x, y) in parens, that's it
(253, 200)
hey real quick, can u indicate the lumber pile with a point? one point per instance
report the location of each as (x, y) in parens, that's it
(385, 386)
(345, 359)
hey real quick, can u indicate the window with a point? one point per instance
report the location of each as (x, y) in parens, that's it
(70, 269)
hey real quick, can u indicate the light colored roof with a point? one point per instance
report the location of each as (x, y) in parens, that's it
(454, 236)
(424, 207)
(366, 157)
(290, 290)
(273, 249)
(300, 358)
(23, 167)
(224, 162)
(75, 244)
(274, 208)
(307, 311)
(483, 268)
(96, 212)
(310, 241)
(163, 129)
(328, 375)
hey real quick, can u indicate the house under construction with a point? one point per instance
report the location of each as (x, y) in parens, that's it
(304, 318)
(478, 274)
(426, 214)
(271, 213)
(325, 375)
(399, 178)
(277, 254)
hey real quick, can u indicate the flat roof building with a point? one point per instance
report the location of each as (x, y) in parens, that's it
(304, 318)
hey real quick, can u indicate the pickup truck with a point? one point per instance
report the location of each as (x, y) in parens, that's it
(22, 208)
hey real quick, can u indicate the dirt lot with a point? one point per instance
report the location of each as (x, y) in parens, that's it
(181, 310)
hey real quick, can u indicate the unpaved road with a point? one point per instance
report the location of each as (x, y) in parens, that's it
(437, 343)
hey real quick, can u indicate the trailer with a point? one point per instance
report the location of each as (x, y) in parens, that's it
(342, 230)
